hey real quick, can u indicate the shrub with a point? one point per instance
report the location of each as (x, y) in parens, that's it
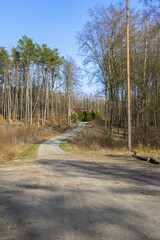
(93, 115)
(90, 117)
(82, 115)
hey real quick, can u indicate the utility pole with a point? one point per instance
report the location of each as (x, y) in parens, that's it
(128, 81)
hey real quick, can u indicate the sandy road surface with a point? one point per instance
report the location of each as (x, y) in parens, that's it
(80, 197)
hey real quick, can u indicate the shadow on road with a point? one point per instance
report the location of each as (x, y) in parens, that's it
(89, 208)
(100, 170)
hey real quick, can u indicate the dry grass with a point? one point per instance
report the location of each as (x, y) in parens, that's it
(15, 139)
(95, 139)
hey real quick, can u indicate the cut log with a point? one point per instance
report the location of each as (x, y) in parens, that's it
(148, 159)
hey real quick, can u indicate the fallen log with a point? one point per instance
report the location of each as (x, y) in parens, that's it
(148, 159)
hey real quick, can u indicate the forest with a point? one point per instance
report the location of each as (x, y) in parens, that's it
(39, 86)
(37, 83)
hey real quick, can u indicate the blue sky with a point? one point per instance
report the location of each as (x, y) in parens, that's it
(54, 22)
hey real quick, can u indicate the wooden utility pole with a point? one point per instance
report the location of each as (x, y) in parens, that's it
(128, 81)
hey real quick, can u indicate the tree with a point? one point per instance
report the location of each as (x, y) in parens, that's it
(4, 60)
(26, 47)
(55, 62)
(16, 61)
(101, 42)
(46, 55)
(38, 61)
(27, 83)
(70, 72)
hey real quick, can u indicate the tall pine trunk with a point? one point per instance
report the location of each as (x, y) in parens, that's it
(22, 79)
(5, 92)
(16, 93)
(27, 94)
(46, 110)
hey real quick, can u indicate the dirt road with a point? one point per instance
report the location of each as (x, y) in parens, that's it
(80, 197)
(51, 146)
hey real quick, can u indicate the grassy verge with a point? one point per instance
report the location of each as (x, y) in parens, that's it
(31, 150)
(64, 146)
(20, 142)
(28, 151)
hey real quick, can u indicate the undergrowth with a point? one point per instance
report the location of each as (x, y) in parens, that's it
(21, 141)
(95, 138)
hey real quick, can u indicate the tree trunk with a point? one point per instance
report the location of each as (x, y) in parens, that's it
(16, 93)
(22, 77)
(2, 96)
(38, 97)
(31, 100)
(69, 108)
(52, 85)
(46, 111)
(106, 107)
(5, 92)
(27, 94)
(9, 99)
(145, 97)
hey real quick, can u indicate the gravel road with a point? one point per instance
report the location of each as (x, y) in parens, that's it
(52, 146)
(79, 197)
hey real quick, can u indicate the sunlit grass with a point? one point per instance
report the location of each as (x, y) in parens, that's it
(64, 146)
(29, 151)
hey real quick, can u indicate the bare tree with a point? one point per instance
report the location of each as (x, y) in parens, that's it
(100, 43)
(71, 81)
